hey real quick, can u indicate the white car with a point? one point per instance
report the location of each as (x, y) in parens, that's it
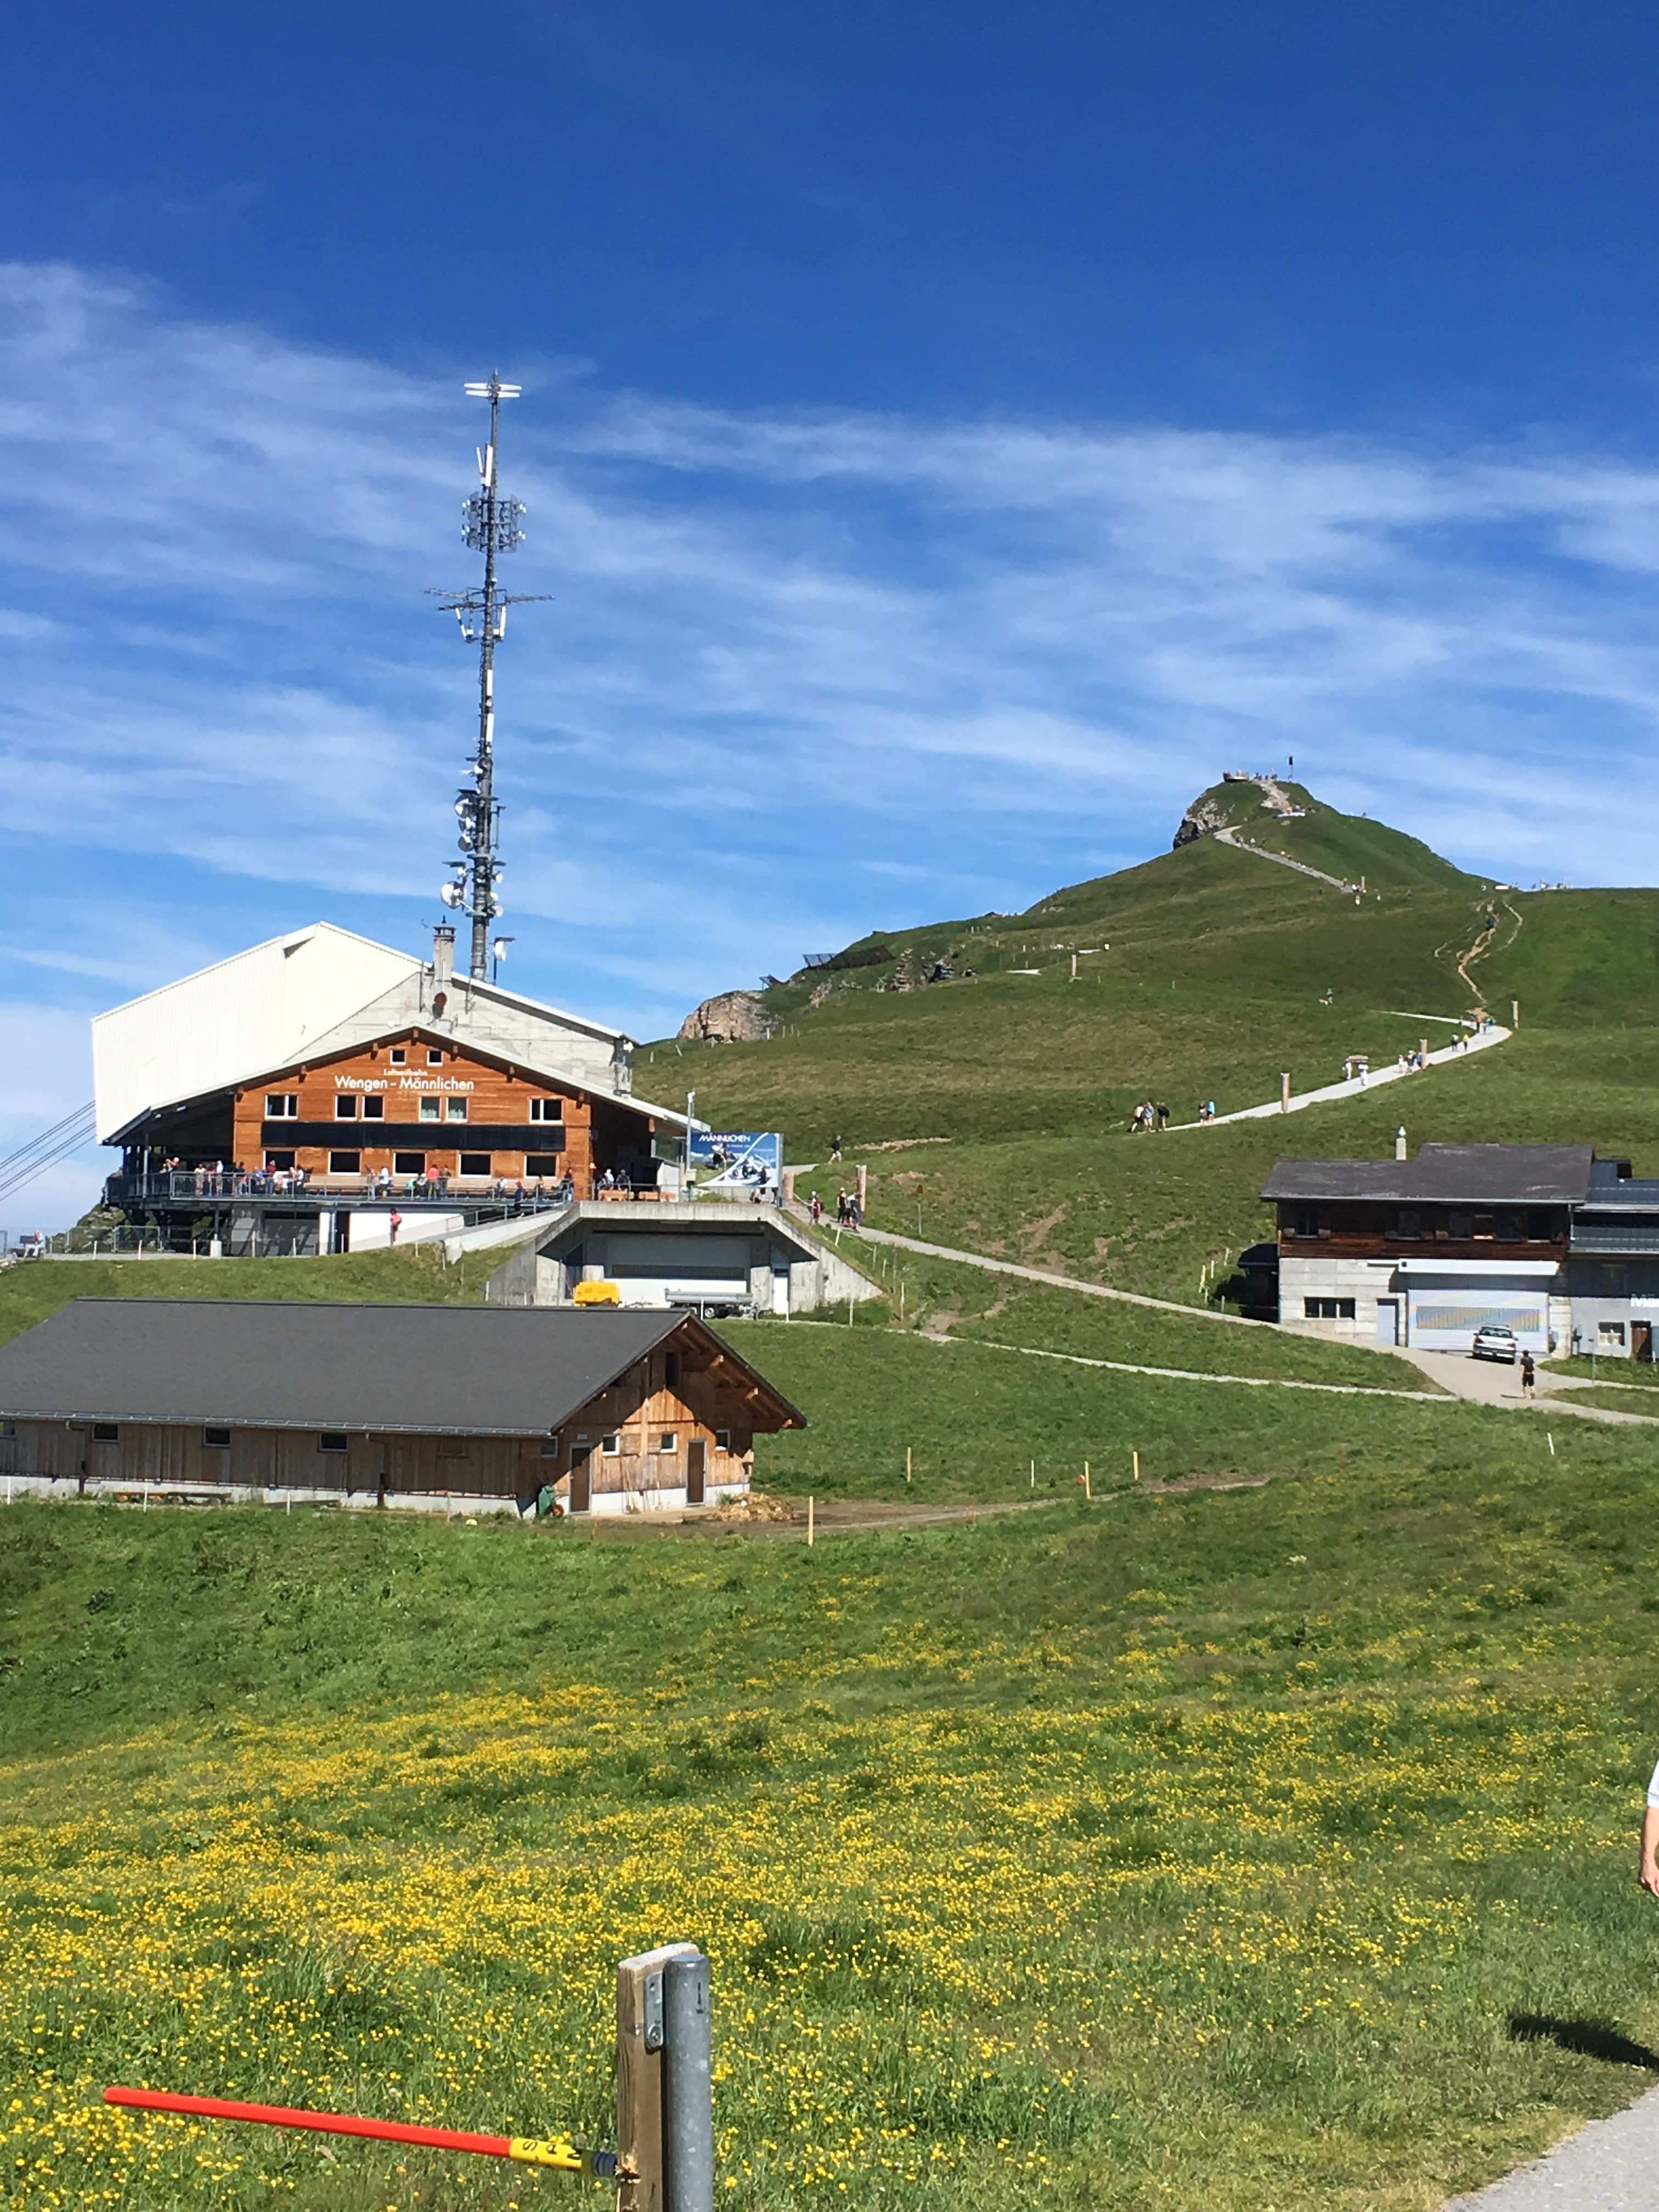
(1496, 1342)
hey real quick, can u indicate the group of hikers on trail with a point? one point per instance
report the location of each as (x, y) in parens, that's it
(1148, 1116)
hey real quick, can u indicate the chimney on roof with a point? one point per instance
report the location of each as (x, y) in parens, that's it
(1400, 1151)
(443, 955)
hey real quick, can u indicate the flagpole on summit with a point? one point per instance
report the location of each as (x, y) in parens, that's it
(490, 527)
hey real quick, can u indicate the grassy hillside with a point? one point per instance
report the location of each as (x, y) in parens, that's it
(1220, 1849)
(1202, 974)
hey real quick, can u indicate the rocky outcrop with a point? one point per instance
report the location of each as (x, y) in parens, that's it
(1202, 819)
(729, 1018)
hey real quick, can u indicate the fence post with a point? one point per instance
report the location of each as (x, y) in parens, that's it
(688, 2091)
(640, 2036)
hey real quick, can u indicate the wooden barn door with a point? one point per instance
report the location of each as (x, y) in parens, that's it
(696, 1455)
(1641, 1340)
(581, 1484)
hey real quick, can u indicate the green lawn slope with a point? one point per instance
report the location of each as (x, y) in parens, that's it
(992, 1110)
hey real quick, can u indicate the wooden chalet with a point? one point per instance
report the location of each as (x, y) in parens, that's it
(599, 1411)
(253, 1113)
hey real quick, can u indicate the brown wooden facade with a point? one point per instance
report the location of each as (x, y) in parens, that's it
(1374, 1229)
(420, 1106)
(680, 1420)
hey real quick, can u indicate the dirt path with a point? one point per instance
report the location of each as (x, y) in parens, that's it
(1049, 1276)
(842, 1516)
(1607, 2167)
(1226, 836)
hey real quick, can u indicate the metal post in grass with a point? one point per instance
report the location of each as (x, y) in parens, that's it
(688, 2085)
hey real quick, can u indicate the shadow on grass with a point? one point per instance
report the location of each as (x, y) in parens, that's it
(1589, 2039)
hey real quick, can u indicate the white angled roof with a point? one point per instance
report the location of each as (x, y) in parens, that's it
(260, 1009)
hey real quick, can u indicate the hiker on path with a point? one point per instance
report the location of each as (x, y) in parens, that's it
(1648, 1872)
(835, 1148)
(1163, 1113)
(1528, 1374)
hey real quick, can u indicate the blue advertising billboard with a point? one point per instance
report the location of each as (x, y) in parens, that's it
(744, 1161)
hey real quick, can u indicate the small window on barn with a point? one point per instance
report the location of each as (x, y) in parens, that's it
(1407, 1224)
(453, 1448)
(541, 1163)
(345, 1106)
(1538, 1228)
(668, 1442)
(722, 1440)
(670, 1370)
(411, 1164)
(1307, 1223)
(398, 1055)
(374, 1110)
(330, 1440)
(1508, 1229)
(610, 1446)
(475, 1163)
(281, 1106)
(215, 1439)
(8, 1428)
(550, 1446)
(432, 1110)
(344, 1163)
(435, 1059)
(455, 1108)
(547, 1109)
(105, 1432)
(1460, 1227)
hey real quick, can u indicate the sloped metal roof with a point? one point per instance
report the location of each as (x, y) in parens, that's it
(1500, 1174)
(419, 1369)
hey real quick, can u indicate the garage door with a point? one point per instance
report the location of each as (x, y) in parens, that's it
(1445, 1321)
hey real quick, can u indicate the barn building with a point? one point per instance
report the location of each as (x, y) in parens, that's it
(291, 1099)
(1547, 1240)
(434, 1407)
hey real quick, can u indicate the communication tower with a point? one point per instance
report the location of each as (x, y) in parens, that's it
(490, 526)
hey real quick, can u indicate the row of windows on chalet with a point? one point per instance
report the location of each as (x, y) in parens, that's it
(350, 1106)
(538, 1166)
(1408, 1225)
(666, 1444)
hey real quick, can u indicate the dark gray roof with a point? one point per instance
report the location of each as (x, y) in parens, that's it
(1517, 1174)
(481, 1371)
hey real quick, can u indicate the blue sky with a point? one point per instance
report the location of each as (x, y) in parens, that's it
(951, 437)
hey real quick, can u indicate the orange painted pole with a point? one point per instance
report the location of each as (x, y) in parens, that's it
(527, 2150)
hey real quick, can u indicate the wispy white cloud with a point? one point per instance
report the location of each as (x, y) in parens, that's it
(801, 674)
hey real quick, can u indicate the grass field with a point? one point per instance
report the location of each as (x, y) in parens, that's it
(1271, 1847)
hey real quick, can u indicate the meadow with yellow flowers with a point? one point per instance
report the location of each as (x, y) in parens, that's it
(1265, 1847)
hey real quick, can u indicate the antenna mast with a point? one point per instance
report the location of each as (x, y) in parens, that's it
(490, 527)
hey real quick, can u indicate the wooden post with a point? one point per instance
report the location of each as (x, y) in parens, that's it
(907, 1463)
(1285, 1094)
(1087, 1491)
(1135, 1457)
(1515, 1013)
(811, 1504)
(639, 2077)
(864, 1190)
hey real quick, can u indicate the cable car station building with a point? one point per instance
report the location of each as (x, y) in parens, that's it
(291, 1099)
